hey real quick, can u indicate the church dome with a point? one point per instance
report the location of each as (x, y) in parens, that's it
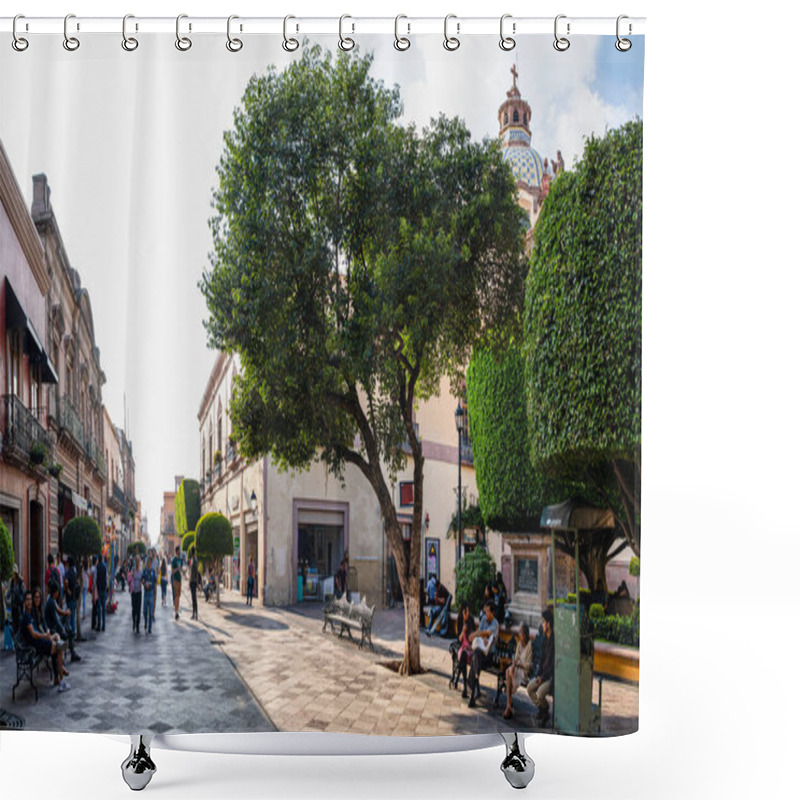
(526, 164)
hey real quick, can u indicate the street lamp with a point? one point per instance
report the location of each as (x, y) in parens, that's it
(254, 503)
(460, 420)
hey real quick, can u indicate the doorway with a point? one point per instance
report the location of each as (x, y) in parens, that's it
(36, 540)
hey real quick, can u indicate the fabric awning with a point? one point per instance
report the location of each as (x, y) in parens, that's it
(17, 319)
(576, 515)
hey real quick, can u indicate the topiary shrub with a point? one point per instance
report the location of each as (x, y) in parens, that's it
(82, 537)
(214, 541)
(187, 541)
(187, 507)
(596, 611)
(137, 549)
(473, 572)
(634, 567)
(6, 553)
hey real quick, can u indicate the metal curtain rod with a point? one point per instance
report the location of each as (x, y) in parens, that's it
(461, 26)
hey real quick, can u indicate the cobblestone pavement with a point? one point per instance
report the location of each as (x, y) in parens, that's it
(307, 680)
(174, 680)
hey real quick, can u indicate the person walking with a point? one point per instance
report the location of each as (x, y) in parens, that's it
(102, 592)
(84, 585)
(149, 586)
(163, 575)
(194, 577)
(176, 580)
(251, 581)
(135, 585)
(71, 594)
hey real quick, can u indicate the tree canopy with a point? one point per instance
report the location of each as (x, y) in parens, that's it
(187, 506)
(82, 537)
(356, 262)
(583, 325)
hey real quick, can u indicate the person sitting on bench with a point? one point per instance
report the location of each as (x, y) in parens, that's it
(483, 643)
(541, 685)
(465, 627)
(440, 614)
(52, 614)
(517, 672)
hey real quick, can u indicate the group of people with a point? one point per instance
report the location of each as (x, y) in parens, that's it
(48, 625)
(143, 575)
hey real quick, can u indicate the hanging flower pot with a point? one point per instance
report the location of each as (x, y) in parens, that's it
(38, 452)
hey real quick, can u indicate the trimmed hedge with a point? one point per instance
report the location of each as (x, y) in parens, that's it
(187, 507)
(634, 568)
(82, 537)
(137, 549)
(187, 541)
(213, 537)
(620, 630)
(6, 553)
(596, 612)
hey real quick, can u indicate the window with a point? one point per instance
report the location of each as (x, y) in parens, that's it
(407, 493)
(516, 115)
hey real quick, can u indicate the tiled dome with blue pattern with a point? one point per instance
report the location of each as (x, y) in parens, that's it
(526, 163)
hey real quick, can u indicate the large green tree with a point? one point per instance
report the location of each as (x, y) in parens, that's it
(513, 493)
(583, 325)
(356, 263)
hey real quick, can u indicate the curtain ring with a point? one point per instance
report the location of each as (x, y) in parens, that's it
(289, 44)
(451, 43)
(401, 42)
(507, 42)
(19, 43)
(233, 45)
(183, 43)
(345, 42)
(623, 45)
(71, 43)
(561, 43)
(129, 43)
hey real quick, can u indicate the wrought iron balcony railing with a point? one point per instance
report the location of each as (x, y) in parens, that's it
(69, 420)
(22, 429)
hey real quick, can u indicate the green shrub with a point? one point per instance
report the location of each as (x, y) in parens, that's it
(187, 541)
(596, 611)
(82, 537)
(473, 572)
(214, 537)
(6, 553)
(634, 567)
(137, 549)
(620, 630)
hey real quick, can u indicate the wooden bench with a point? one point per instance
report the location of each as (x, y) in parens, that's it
(28, 659)
(502, 656)
(350, 616)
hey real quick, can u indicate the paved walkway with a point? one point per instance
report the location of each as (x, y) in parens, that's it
(171, 681)
(306, 680)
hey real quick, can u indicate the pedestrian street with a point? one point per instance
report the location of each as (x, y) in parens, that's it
(174, 680)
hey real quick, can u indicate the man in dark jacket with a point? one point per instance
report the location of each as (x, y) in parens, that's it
(542, 684)
(52, 618)
(101, 578)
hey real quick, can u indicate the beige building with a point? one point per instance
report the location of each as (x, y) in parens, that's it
(298, 525)
(28, 487)
(168, 536)
(122, 508)
(75, 405)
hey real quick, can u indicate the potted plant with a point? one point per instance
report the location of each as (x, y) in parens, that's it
(55, 470)
(217, 457)
(38, 452)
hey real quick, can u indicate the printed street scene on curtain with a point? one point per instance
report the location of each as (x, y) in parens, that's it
(321, 387)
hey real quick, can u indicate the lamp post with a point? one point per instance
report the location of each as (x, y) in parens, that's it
(460, 429)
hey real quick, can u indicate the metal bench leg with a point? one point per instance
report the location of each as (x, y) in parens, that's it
(517, 766)
(138, 768)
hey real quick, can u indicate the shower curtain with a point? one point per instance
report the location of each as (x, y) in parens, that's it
(348, 337)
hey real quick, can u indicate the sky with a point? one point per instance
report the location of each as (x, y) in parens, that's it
(130, 142)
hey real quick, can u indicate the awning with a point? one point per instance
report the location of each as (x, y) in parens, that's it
(576, 515)
(17, 319)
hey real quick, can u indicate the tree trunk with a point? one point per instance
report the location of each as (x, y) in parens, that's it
(410, 665)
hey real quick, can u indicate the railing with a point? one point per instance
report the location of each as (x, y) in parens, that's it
(466, 450)
(22, 429)
(217, 469)
(118, 495)
(69, 420)
(231, 453)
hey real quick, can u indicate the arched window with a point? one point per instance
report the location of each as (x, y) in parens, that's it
(516, 115)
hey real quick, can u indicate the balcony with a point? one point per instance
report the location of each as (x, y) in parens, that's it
(70, 422)
(231, 455)
(116, 499)
(217, 470)
(21, 431)
(466, 451)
